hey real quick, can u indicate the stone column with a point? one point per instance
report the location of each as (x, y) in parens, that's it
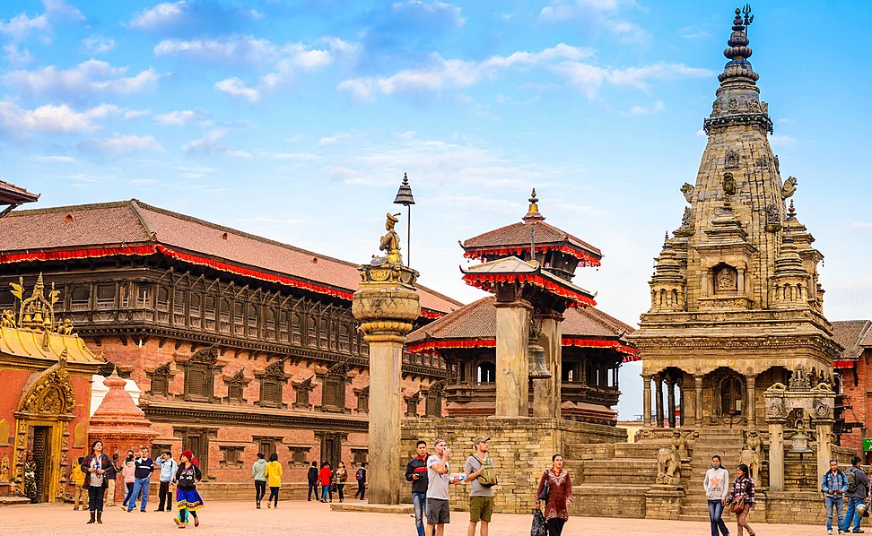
(823, 430)
(546, 392)
(741, 281)
(658, 385)
(697, 409)
(776, 456)
(386, 304)
(751, 389)
(513, 369)
(681, 402)
(646, 400)
(670, 400)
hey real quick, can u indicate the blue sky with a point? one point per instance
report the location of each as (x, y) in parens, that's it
(297, 120)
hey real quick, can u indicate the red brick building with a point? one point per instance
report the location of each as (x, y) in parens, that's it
(240, 344)
(855, 383)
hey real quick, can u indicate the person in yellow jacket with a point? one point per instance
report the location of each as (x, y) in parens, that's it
(78, 478)
(273, 474)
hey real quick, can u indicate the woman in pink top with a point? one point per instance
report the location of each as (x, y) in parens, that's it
(128, 468)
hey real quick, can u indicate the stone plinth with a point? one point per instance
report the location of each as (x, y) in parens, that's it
(119, 424)
(386, 304)
(513, 369)
(663, 502)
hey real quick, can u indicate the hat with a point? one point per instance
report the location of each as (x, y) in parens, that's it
(479, 439)
(188, 454)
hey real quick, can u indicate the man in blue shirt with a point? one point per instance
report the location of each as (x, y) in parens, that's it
(142, 478)
(834, 485)
(168, 467)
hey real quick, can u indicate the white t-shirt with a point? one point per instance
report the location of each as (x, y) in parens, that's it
(716, 484)
(437, 483)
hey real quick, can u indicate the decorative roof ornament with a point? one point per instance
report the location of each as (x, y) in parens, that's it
(533, 212)
(791, 211)
(37, 311)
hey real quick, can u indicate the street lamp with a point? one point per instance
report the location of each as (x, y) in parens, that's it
(404, 197)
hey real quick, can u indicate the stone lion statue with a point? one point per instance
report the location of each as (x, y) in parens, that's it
(789, 187)
(8, 319)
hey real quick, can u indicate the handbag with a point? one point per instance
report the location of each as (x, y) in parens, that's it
(738, 504)
(546, 489)
(539, 527)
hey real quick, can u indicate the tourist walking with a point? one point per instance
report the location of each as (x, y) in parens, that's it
(273, 474)
(77, 475)
(128, 474)
(257, 473)
(312, 476)
(144, 467)
(360, 475)
(326, 478)
(111, 478)
(480, 473)
(416, 473)
(187, 498)
(742, 494)
(168, 468)
(95, 466)
(715, 486)
(339, 478)
(438, 479)
(560, 492)
(834, 485)
(858, 490)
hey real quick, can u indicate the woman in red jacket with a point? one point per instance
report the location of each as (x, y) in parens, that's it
(326, 475)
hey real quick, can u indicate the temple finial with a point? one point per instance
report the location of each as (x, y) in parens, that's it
(533, 211)
(791, 211)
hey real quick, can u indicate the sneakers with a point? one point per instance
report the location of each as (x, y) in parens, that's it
(177, 521)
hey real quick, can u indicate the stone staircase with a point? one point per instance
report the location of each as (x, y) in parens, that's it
(725, 442)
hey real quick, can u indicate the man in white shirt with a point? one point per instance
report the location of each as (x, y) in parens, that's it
(716, 485)
(438, 479)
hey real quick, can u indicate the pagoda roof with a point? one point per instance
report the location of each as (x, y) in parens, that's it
(133, 228)
(515, 238)
(475, 326)
(515, 270)
(852, 335)
(47, 345)
(15, 195)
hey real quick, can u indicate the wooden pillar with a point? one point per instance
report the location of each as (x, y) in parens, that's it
(658, 385)
(697, 410)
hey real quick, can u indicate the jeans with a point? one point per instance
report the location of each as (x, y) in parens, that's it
(834, 502)
(140, 484)
(259, 490)
(419, 501)
(361, 489)
(165, 495)
(341, 489)
(273, 496)
(325, 489)
(95, 499)
(716, 511)
(852, 515)
(313, 486)
(129, 486)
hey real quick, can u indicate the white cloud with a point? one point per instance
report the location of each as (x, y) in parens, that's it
(627, 32)
(20, 27)
(55, 158)
(642, 110)
(87, 78)
(16, 56)
(237, 49)
(778, 140)
(133, 114)
(211, 145)
(52, 118)
(862, 225)
(333, 139)
(236, 87)
(181, 117)
(98, 44)
(121, 144)
(160, 16)
(563, 10)
(429, 11)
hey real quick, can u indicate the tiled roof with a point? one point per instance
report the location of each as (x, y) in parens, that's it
(15, 195)
(130, 223)
(478, 320)
(867, 340)
(518, 235)
(850, 334)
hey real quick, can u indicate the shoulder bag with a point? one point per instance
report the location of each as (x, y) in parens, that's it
(546, 488)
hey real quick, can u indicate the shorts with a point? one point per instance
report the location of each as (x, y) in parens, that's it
(438, 512)
(481, 509)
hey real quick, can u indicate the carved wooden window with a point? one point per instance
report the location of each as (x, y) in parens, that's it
(209, 303)
(359, 456)
(224, 317)
(197, 441)
(238, 321)
(200, 375)
(80, 297)
(299, 455)
(106, 296)
(302, 400)
(270, 393)
(232, 456)
(412, 405)
(433, 405)
(344, 336)
(297, 328)
(163, 299)
(124, 293)
(160, 381)
(333, 392)
(252, 321)
(285, 326)
(143, 296)
(179, 307)
(363, 400)
(323, 333)
(195, 315)
(731, 396)
(311, 331)
(270, 324)
(235, 392)
(266, 445)
(487, 373)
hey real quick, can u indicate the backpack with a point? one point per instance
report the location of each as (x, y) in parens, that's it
(851, 475)
(488, 476)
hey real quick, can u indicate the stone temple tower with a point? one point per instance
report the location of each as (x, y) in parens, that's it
(735, 299)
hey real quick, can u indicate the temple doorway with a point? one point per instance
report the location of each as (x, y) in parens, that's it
(38, 442)
(732, 399)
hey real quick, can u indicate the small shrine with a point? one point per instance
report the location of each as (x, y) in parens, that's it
(46, 370)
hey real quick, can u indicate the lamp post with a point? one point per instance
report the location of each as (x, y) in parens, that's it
(404, 197)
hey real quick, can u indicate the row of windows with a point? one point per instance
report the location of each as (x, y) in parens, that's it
(591, 373)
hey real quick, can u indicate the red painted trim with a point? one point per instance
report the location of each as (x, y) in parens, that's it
(630, 353)
(584, 258)
(75, 254)
(433, 347)
(486, 282)
(843, 364)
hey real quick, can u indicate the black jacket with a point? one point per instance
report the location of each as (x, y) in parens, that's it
(313, 475)
(417, 466)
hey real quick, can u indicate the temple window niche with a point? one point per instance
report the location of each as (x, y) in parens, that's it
(726, 279)
(486, 373)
